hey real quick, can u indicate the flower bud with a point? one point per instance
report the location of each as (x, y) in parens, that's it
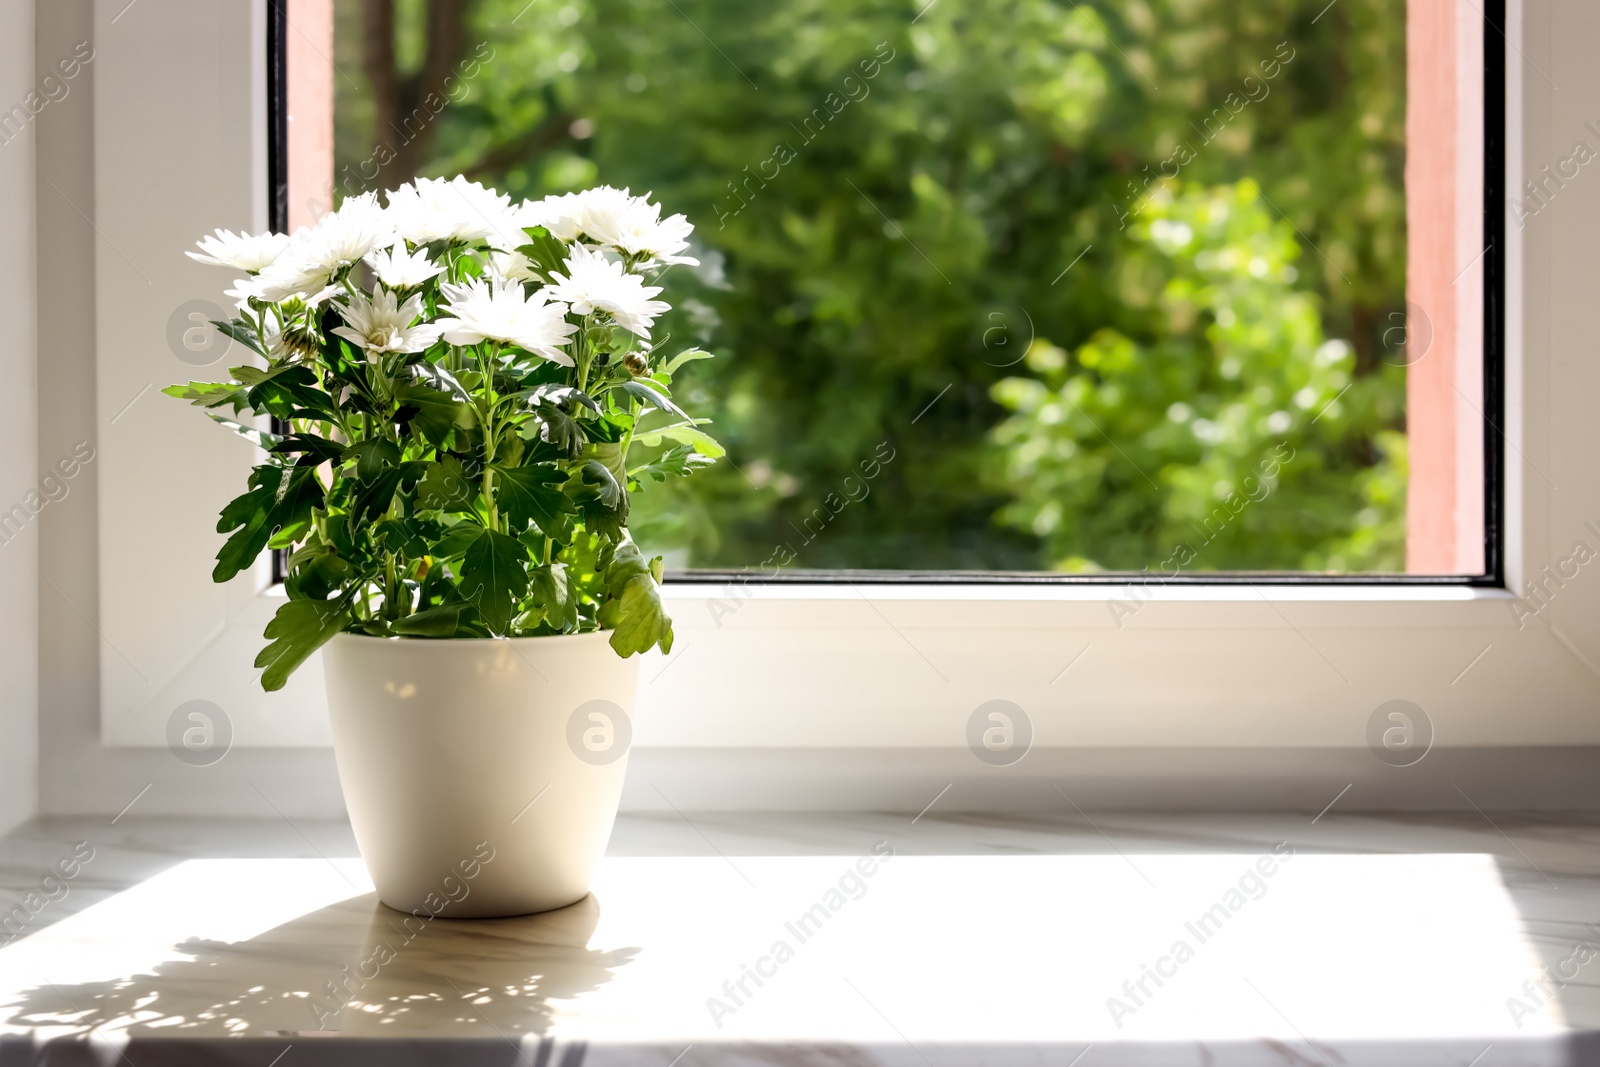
(635, 363)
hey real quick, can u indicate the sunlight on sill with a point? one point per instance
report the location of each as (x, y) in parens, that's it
(952, 950)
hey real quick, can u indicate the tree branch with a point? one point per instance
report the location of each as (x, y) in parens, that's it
(400, 118)
(554, 130)
(377, 58)
(447, 44)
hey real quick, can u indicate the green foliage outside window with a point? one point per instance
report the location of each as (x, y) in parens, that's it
(1091, 269)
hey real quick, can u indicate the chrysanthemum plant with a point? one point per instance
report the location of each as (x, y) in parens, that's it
(466, 385)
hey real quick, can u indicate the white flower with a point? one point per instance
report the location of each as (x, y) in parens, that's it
(342, 237)
(634, 225)
(594, 283)
(612, 218)
(561, 215)
(432, 209)
(287, 278)
(246, 288)
(498, 309)
(381, 324)
(241, 251)
(399, 269)
(315, 254)
(514, 266)
(599, 213)
(580, 216)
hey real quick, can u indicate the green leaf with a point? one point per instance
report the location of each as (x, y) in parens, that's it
(431, 413)
(372, 499)
(456, 541)
(531, 494)
(315, 571)
(313, 448)
(494, 577)
(703, 442)
(642, 623)
(281, 390)
(371, 456)
(565, 397)
(259, 438)
(211, 394)
(652, 395)
(446, 620)
(544, 251)
(555, 427)
(552, 597)
(683, 357)
(446, 487)
(610, 428)
(299, 628)
(408, 536)
(240, 331)
(601, 500)
(607, 488)
(279, 503)
(680, 461)
(610, 456)
(453, 384)
(537, 451)
(634, 610)
(553, 421)
(252, 376)
(627, 563)
(541, 372)
(336, 531)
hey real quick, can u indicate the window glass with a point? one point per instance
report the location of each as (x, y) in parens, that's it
(1022, 286)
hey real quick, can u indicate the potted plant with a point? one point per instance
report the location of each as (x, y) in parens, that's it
(466, 393)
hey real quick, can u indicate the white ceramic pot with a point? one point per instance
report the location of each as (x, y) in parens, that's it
(482, 777)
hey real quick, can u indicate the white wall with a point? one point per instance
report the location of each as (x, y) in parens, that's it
(77, 773)
(19, 556)
(1322, 748)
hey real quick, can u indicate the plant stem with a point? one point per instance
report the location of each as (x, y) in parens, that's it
(485, 365)
(391, 602)
(627, 440)
(585, 355)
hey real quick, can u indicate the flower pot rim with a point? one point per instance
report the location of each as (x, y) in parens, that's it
(604, 635)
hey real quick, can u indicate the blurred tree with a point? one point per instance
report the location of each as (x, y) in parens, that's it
(404, 101)
(897, 201)
(1264, 463)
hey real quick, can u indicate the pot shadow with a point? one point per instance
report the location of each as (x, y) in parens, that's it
(355, 967)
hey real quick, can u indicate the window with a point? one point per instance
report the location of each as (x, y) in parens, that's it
(809, 667)
(1072, 288)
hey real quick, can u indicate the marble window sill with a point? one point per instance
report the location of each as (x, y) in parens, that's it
(851, 939)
